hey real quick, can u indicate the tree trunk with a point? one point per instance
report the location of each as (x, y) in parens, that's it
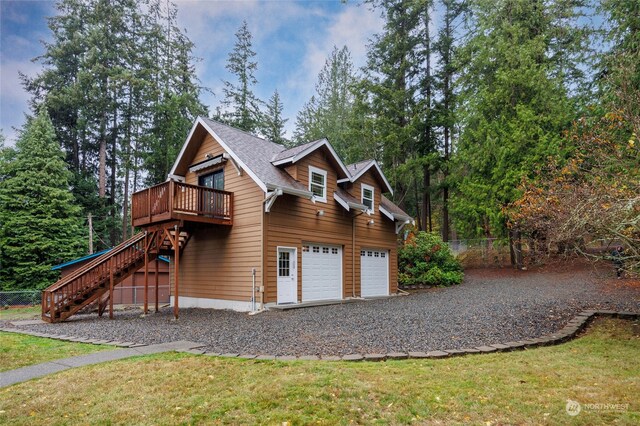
(426, 200)
(102, 168)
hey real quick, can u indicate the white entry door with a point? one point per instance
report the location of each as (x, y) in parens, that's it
(287, 276)
(374, 273)
(321, 272)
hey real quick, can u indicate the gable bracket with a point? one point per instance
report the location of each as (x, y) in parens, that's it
(270, 199)
(400, 225)
(234, 162)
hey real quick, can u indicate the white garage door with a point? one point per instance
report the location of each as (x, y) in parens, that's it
(374, 266)
(321, 272)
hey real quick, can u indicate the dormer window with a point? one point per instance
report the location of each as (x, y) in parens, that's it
(318, 183)
(367, 196)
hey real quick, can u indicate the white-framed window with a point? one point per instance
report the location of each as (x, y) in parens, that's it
(368, 196)
(318, 183)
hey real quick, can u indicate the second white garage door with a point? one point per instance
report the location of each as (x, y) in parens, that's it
(321, 272)
(374, 272)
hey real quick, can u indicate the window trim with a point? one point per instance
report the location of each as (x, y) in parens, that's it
(324, 174)
(373, 195)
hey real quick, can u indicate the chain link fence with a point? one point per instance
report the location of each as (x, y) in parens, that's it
(122, 295)
(20, 298)
(480, 253)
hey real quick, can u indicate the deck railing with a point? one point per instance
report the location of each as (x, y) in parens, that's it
(171, 200)
(82, 284)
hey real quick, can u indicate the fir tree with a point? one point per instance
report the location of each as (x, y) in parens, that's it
(516, 106)
(327, 112)
(273, 126)
(241, 108)
(40, 223)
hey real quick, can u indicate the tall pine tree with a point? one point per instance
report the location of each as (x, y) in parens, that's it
(240, 107)
(273, 121)
(40, 225)
(515, 106)
(327, 112)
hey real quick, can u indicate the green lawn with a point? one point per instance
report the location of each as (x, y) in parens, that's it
(32, 312)
(19, 350)
(530, 387)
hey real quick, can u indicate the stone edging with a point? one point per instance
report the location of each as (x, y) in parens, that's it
(570, 331)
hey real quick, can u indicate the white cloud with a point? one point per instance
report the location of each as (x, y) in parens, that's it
(14, 97)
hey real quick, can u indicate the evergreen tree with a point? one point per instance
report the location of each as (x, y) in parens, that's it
(394, 91)
(273, 125)
(121, 90)
(445, 106)
(40, 223)
(241, 108)
(327, 112)
(515, 107)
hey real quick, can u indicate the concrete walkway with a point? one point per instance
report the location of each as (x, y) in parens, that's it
(23, 374)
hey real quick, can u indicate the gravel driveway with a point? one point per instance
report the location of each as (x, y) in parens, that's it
(491, 306)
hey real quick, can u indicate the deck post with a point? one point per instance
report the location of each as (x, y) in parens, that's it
(52, 308)
(176, 275)
(146, 275)
(156, 278)
(111, 288)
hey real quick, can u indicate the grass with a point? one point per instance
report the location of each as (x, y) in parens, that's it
(20, 350)
(32, 312)
(526, 387)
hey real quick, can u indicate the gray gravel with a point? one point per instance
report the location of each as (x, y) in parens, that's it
(489, 307)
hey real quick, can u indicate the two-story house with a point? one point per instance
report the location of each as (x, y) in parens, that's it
(250, 224)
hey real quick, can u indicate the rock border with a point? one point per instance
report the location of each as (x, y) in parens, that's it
(571, 330)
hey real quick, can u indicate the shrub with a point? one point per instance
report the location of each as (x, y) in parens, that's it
(425, 259)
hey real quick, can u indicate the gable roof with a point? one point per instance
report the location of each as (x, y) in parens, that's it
(393, 212)
(356, 170)
(251, 153)
(259, 157)
(296, 153)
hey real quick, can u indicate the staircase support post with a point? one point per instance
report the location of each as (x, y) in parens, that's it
(176, 277)
(111, 288)
(146, 275)
(156, 278)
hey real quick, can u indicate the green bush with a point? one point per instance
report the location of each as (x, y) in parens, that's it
(425, 259)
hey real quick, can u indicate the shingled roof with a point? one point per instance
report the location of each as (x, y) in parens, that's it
(260, 159)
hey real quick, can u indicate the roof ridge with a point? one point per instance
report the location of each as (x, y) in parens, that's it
(245, 132)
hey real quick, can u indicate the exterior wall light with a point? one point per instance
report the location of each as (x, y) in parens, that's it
(320, 213)
(371, 222)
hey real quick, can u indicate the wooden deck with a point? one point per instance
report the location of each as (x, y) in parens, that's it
(170, 201)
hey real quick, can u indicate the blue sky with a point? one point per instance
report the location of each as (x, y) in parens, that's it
(291, 38)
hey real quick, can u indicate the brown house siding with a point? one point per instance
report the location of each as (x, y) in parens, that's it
(380, 235)
(217, 262)
(293, 221)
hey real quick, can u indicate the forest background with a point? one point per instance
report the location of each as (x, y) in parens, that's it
(507, 119)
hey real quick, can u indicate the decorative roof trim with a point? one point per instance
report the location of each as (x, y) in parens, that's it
(350, 205)
(207, 163)
(386, 212)
(363, 170)
(312, 147)
(234, 157)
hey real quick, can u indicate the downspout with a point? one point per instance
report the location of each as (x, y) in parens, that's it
(353, 254)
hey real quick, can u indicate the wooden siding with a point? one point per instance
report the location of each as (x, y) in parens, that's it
(293, 221)
(217, 262)
(380, 235)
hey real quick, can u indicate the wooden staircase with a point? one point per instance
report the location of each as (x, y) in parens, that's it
(90, 283)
